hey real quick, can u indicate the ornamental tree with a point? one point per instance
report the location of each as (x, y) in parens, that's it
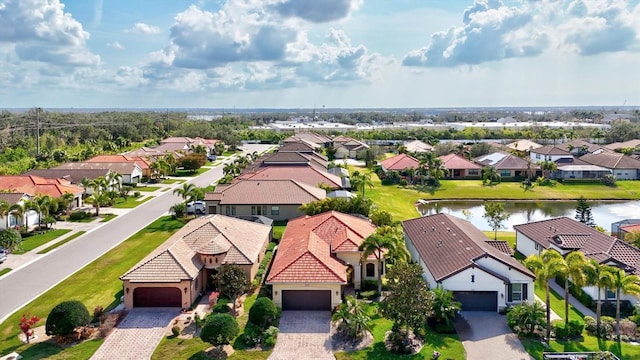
(26, 325)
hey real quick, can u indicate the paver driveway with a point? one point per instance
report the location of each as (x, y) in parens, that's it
(304, 335)
(138, 335)
(485, 335)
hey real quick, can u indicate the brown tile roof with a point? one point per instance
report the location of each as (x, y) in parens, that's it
(143, 163)
(577, 144)
(119, 167)
(145, 152)
(550, 150)
(296, 147)
(623, 145)
(75, 176)
(305, 250)
(34, 185)
(267, 192)
(294, 139)
(11, 198)
(448, 245)
(400, 162)
(304, 174)
(178, 258)
(611, 160)
(569, 234)
(501, 245)
(455, 162)
(310, 137)
(505, 161)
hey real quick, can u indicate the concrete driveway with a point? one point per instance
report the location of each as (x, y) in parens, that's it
(485, 335)
(138, 335)
(304, 335)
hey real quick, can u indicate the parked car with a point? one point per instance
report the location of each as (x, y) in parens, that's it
(196, 207)
(3, 254)
(211, 157)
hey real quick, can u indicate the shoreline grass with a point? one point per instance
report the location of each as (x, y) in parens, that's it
(61, 242)
(35, 241)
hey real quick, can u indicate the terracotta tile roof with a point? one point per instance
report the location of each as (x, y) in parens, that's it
(33, 185)
(523, 145)
(75, 176)
(267, 192)
(550, 150)
(631, 228)
(400, 162)
(569, 234)
(306, 247)
(178, 258)
(448, 245)
(143, 163)
(306, 174)
(11, 198)
(501, 245)
(456, 162)
(612, 160)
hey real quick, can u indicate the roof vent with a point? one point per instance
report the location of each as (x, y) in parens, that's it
(433, 228)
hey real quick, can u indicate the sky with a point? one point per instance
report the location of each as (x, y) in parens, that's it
(319, 53)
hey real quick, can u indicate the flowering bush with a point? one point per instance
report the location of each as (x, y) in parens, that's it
(213, 298)
(26, 323)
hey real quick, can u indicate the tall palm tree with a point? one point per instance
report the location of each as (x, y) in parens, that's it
(18, 212)
(546, 267)
(362, 181)
(5, 210)
(437, 170)
(600, 276)
(575, 272)
(66, 200)
(231, 169)
(29, 205)
(114, 180)
(43, 202)
(186, 192)
(547, 167)
(383, 239)
(624, 284)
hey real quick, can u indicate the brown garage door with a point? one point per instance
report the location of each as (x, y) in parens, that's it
(157, 297)
(306, 300)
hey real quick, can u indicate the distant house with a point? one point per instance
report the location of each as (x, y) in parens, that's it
(631, 144)
(275, 199)
(180, 269)
(310, 137)
(456, 255)
(298, 146)
(581, 147)
(11, 220)
(399, 163)
(317, 258)
(548, 153)
(417, 146)
(348, 147)
(622, 166)
(523, 145)
(620, 228)
(508, 165)
(460, 167)
(566, 235)
(131, 172)
(35, 185)
(74, 176)
(304, 174)
(294, 159)
(580, 171)
(144, 164)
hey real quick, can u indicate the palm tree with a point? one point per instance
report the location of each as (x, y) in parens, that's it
(114, 180)
(445, 307)
(600, 276)
(362, 180)
(66, 200)
(546, 267)
(186, 192)
(624, 284)
(231, 169)
(5, 210)
(43, 202)
(575, 263)
(29, 205)
(18, 212)
(437, 170)
(352, 319)
(490, 175)
(547, 167)
(383, 239)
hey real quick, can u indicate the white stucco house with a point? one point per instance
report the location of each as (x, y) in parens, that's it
(565, 235)
(454, 254)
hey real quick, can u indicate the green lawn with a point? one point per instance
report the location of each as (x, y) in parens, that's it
(107, 217)
(54, 352)
(61, 242)
(172, 181)
(508, 236)
(146, 188)
(448, 345)
(183, 173)
(278, 229)
(557, 304)
(85, 286)
(35, 241)
(130, 202)
(4, 271)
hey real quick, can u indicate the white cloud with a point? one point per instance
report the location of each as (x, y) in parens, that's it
(116, 45)
(40, 30)
(492, 31)
(317, 11)
(144, 29)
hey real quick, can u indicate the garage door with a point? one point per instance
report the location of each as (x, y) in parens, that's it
(157, 297)
(306, 300)
(477, 300)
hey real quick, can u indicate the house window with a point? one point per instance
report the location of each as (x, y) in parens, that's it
(537, 246)
(517, 292)
(611, 295)
(537, 156)
(230, 210)
(258, 210)
(371, 270)
(473, 278)
(473, 172)
(505, 173)
(275, 210)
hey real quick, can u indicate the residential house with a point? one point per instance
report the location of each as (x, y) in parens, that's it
(74, 176)
(312, 138)
(146, 153)
(508, 165)
(622, 166)
(317, 258)
(293, 159)
(459, 167)
(548, 153)
(581, 147)
(347, 147)
(523, 145)
(620, 228)
(179, 270)
(308, 175)
(275, 199)
(565, 235)
(35, 185)
(457, 256)
(131, 172)
(11, 220)
(298, 146)
(417, 146)
(631, 144)
(399, 162)
(144, 164)
(580, 171)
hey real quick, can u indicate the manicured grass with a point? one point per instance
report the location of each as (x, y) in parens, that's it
(557, 304)
(146, 188)
(183, 173)
(35, 241)
(52, 351)
(508, 236)
(172, 181)
(95, 284)
(4, 271)
(130, 203)
(278, 229)
(449, 345)
(107, 217)
(166, 189)
(61, 242)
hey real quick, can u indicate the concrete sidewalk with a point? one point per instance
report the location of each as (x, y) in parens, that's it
(572, 300)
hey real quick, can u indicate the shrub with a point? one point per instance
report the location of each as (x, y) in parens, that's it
(572, 329)
(65, 317)
(636, 315)
(608, 180)
(606, 326)
(97, 312)
(79, 215)
(628, 328)
(526, 318)
(270, 336)
(10, 239)
(400, 341)
(221, 309)
(590, 325)
(263, 312)
(252, 334)
(175, 331)
(219, 329)
(136, 194)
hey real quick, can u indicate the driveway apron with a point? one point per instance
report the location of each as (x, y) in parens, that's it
(485, 335)
(304, 335)
(138, 335)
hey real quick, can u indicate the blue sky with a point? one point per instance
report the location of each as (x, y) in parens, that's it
(332, 53)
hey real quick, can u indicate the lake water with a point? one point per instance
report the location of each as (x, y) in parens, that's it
(604, 212)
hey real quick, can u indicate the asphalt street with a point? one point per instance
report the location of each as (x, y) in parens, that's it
(22, 285)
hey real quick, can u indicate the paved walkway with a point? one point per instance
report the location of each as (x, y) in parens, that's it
(138, 335)
(304, 335)
(572, 300)
(485, 335)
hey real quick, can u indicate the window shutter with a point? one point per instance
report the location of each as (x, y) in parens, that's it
(524, 292)
(509, 296)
